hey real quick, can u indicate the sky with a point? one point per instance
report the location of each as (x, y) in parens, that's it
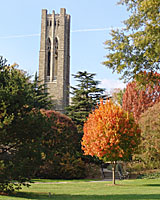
(91, 22)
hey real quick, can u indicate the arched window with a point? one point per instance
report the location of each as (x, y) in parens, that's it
(55, 58)
(48, 56)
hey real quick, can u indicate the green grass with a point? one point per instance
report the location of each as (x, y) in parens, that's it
(61, 180)
(142, 189)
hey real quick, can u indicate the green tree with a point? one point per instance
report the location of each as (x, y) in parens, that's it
(136, 48)
(117, 95)
(150, 147)
(21, 126)
(40, 97)
(86, 95)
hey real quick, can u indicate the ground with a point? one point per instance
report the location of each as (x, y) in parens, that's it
(140, 189)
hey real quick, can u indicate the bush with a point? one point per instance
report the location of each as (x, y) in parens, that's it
(151, 175)
(60, 149)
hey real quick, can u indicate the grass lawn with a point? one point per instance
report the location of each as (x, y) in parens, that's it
(142, 189)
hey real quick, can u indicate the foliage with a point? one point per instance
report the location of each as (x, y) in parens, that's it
(60, 148)
(39, 95)
(117, 95)
(86, 94)
(21, 125)
(21, 153)
(110, 133)
(154, 175)
(138, 99)
(136, 47)
(150, 146)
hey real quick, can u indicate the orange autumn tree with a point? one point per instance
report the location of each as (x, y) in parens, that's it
(110, 134)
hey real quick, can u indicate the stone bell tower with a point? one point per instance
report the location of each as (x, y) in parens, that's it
(54, 56)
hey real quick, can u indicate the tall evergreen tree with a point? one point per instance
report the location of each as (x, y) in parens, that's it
(86, 95)
(39, 94)
(21, 126)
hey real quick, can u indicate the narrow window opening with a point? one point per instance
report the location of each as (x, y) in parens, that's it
(55, 58)
(49, 63)
(48, 67)
(58, 22)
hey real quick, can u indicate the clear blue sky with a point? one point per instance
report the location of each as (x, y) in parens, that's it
(90, 24)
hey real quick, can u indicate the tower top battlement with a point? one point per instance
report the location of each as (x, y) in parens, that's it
(62, 12)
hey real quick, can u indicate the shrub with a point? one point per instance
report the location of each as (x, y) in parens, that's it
(60, 146)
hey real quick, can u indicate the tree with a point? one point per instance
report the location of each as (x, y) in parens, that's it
(20, 146)
(86, 95)
(21, 126)
(138, 99)
(41, 98)
(150, 147)
(117, 95)
(136, 48)
(111, 134)
(60, 145)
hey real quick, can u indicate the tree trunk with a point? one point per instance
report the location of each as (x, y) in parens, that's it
(113, 172)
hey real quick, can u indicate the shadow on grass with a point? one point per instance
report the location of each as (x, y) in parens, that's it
(152, 185)
(44, 196)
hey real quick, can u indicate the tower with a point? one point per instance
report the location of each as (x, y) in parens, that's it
(54, 56)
